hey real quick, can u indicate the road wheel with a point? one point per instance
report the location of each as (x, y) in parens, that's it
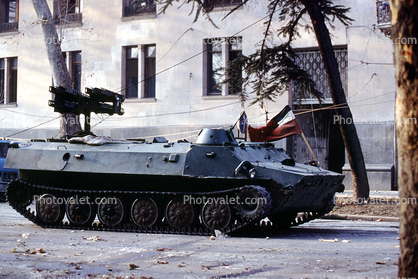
(48, 210)
(179, 214)
(111, 211)
(144, 212)
(216, 216)
(80, 211)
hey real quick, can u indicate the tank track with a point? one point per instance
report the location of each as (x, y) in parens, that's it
(20, 195)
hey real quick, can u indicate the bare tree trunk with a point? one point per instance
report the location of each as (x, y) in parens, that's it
(69, 122)
(347, 127)
(405, 35)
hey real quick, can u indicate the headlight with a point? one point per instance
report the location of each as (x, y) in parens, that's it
(252, 173)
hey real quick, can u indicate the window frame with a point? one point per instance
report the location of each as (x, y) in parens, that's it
(8, 80)
(2, 81)
(150, 65)
(131, 60)
(5, 24)
(319, 77)
(130, 9)
(69, 57)
(71, 16)
(143, 79)
(226, 54)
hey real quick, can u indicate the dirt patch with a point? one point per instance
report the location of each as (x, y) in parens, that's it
(382, 206)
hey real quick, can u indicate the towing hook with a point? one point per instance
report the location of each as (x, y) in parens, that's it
(288, 190)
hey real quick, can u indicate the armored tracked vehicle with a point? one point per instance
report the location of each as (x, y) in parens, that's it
(215, 183)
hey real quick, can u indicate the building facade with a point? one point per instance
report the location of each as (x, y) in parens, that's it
(169, 69)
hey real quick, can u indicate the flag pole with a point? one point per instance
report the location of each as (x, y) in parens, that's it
(236, 122)
(309, 147)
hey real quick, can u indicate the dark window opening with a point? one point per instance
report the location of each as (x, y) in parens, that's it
(235, 51)
(76, 70)
(150, 71)
(2, 70)
(214, 66)
(74, 7)
(3, 150)
(75, 66)
(210, 4)
(9, 15)
(13, 81)
(68, 12)
(132, 72)
(138, 7)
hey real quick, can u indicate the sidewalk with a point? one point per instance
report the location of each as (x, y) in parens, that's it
(375, 195)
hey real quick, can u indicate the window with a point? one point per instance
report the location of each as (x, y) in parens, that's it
(235, 50)
(9, 15)
(74, 7)
(132, 72)
(2, 83)
(219, 52)
(210, 4)
(215, 66)
(8, 80)
(149, 71)
(68, 12)
(311, 61)
(12, 81)
(74, 68)
(140, 71)
(138, 7)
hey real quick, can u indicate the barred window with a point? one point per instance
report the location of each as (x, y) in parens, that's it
(311, 62)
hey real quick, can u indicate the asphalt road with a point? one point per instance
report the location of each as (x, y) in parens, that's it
(319, 249)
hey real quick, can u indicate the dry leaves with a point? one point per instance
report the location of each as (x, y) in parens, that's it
(329, 240)
(133, 266)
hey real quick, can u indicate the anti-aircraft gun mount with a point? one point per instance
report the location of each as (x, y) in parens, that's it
(68, 100)
(215, 183)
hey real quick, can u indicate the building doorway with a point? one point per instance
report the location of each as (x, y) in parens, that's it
(323, 135)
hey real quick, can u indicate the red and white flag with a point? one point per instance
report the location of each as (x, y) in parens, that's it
(282, 125)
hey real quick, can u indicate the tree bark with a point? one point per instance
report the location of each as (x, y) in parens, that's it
(405, 36)
(346, 123)
(69, 122)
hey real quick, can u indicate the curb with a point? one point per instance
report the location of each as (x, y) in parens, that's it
(360, 218)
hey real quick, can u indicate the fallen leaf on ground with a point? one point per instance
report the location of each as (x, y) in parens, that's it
(133, 266)
(329, 240)
(377, 262)
(161, 262)
(93, 238)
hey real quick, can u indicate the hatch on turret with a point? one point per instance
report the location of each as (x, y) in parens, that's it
(209, 136)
